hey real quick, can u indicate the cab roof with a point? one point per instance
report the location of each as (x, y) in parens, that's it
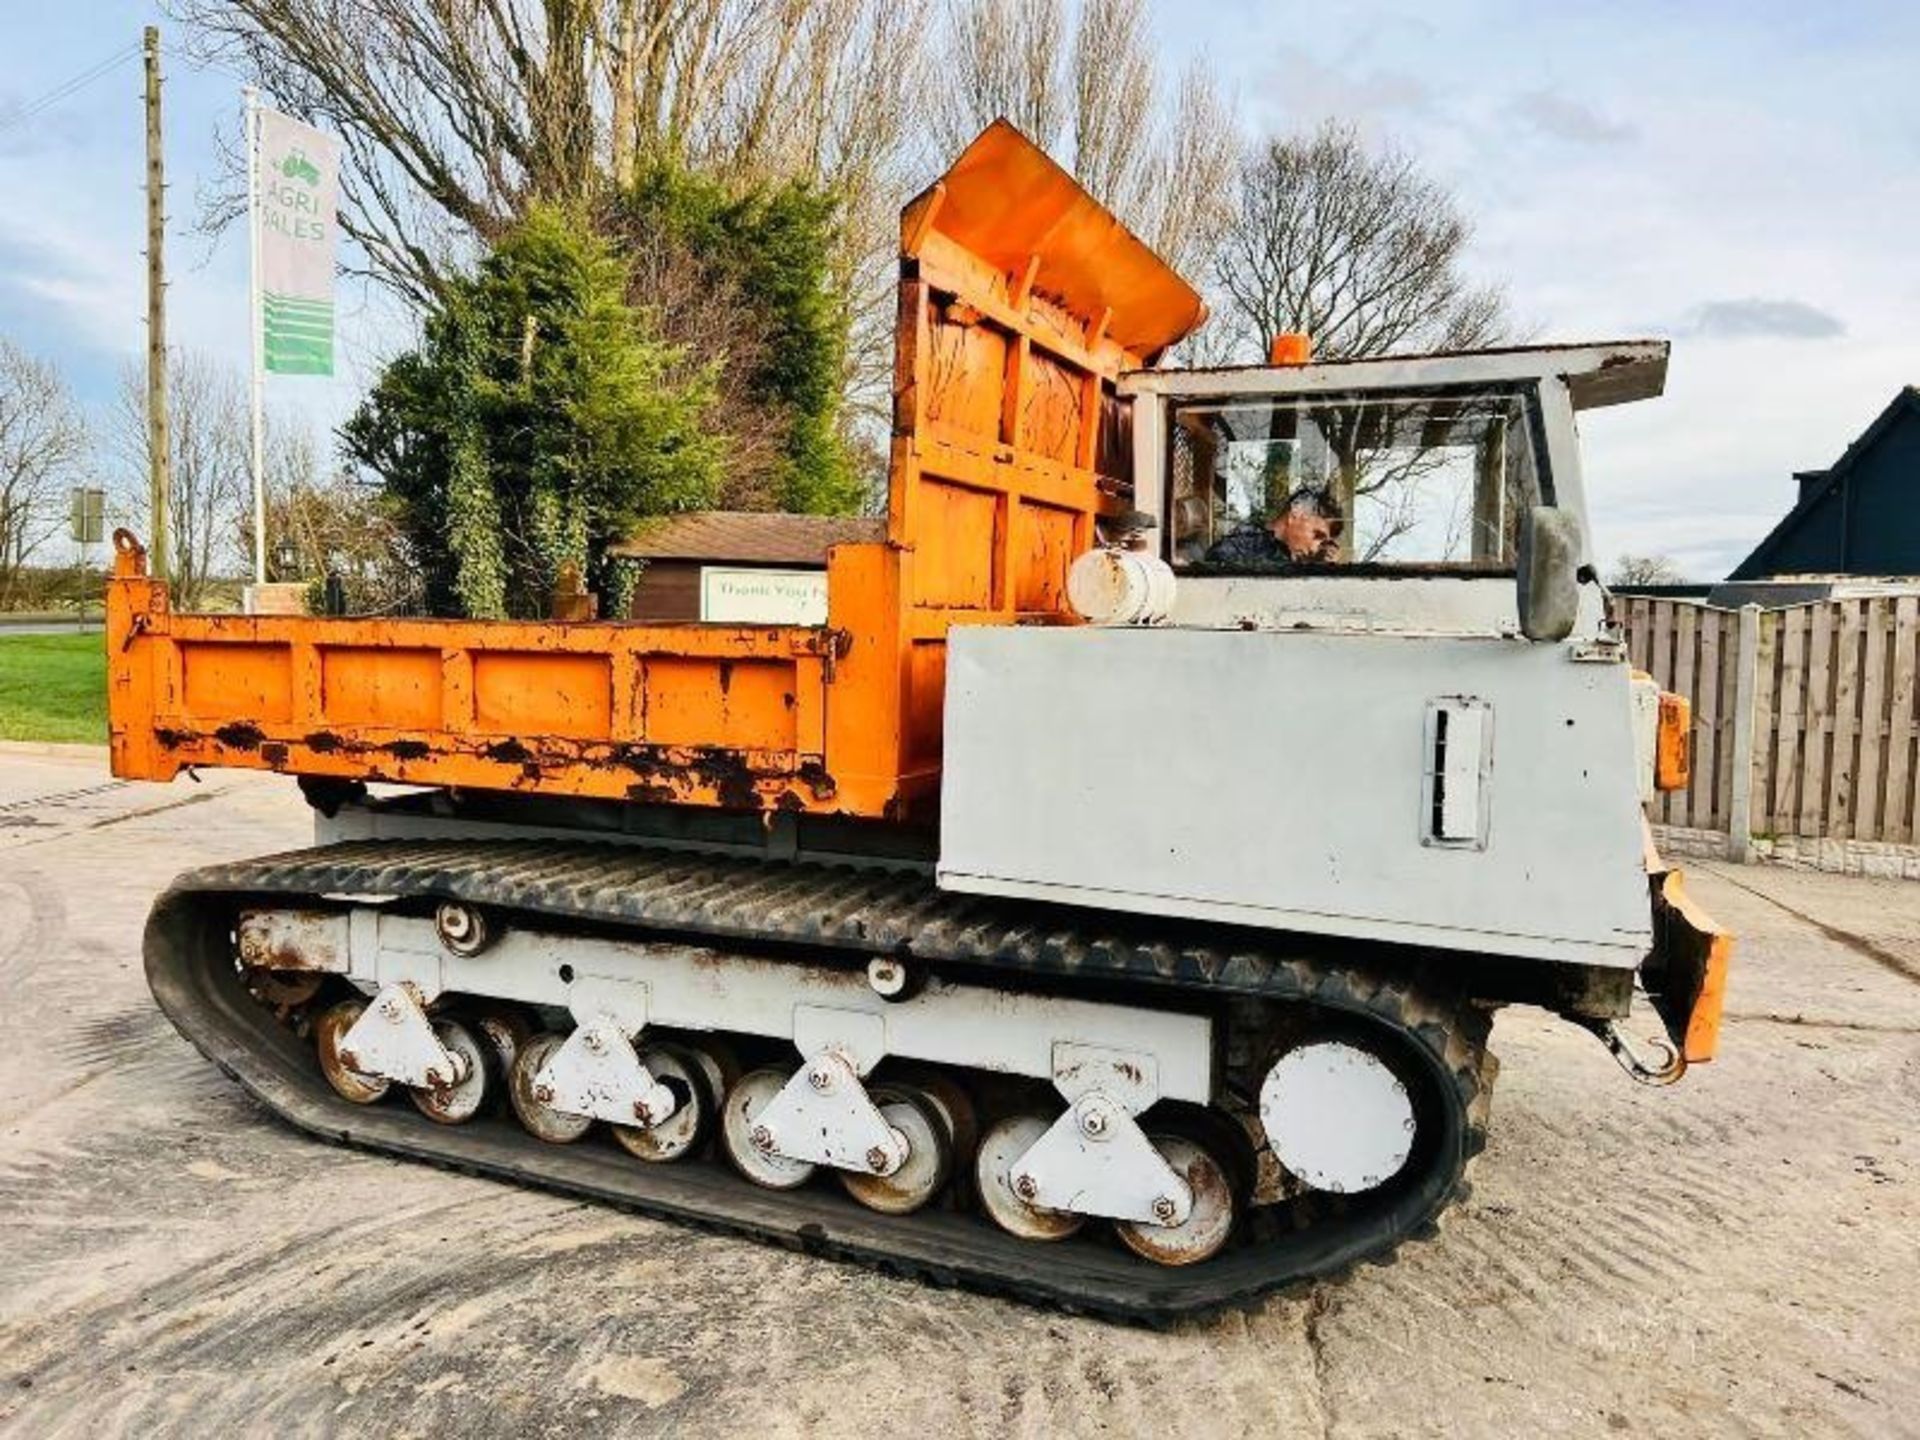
(1609, 372)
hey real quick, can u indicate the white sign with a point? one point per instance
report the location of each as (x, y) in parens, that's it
(763, 597)
(297, 185)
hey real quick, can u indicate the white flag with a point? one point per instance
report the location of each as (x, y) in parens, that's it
(297, 199)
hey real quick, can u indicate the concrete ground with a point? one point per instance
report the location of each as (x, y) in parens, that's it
(1739, 1255)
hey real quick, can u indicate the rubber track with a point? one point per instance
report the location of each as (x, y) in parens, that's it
(746, 902)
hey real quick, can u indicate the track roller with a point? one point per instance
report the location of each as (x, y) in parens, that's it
(963, 1121)
(695, 1104)
(929, 1128)
(347, 1082)
(505, 1029)
(1000, 1149)
(748, 1145)
(1207, 1226)
(717, 1061)
(531, 1100)
(477, 1084)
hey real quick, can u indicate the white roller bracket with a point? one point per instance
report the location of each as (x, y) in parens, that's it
(824, 1116)
(394, 1039)
(598, 1073)
(1095, 1159)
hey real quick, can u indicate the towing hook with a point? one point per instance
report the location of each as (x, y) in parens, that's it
(1669, 1068)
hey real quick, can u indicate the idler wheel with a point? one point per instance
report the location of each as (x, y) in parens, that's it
(1338, 1116)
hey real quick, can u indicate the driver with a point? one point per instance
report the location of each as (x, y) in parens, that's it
(1306, 529)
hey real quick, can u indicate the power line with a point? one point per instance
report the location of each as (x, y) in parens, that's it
(68, 87)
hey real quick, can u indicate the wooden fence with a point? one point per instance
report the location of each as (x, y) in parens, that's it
(1805, 719)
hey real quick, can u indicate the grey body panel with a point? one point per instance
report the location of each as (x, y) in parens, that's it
(1281, 779)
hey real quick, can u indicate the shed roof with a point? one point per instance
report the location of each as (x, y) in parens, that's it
(747, 537)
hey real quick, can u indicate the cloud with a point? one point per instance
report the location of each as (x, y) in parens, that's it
(80, 289)
(1571, 120)
(1757, 319)
(1307, 90)
(26, 136)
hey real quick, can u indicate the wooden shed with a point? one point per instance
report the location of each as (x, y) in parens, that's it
(736, 565)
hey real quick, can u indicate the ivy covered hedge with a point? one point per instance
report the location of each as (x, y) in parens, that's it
(762, 258)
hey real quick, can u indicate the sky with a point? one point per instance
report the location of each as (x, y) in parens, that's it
(73, 219)
(1742, 178)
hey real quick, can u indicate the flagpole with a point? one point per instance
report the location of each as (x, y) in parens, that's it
(258, 386)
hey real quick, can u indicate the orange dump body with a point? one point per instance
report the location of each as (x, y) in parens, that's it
(1021, 300)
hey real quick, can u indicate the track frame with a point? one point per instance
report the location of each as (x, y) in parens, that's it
(191, 969)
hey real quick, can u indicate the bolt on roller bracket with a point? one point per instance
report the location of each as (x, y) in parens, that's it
(824, 1115)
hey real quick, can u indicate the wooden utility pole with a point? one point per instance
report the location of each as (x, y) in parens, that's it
(159, 449)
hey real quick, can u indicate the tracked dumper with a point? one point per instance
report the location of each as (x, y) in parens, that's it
(1086, 912)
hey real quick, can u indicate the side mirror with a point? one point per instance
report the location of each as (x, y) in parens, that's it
(1548, 573)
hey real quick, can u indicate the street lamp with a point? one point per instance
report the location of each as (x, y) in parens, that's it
(286, 555)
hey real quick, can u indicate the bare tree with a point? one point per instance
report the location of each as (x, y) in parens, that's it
(1356, 248)
(1644, 570)
(456, 117)
(1091, 90)
(831, 91)
(1352, 246)
(42, 442)
(209, 432)
(327, 525)
(1007, 58)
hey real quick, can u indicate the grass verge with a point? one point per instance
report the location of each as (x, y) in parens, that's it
(53, 687)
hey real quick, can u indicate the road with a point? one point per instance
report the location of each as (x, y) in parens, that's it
(1738, 1255)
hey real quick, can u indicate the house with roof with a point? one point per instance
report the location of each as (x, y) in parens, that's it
(1858, 517)
(738, 566)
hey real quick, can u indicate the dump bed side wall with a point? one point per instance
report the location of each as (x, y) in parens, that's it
(723, 715)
